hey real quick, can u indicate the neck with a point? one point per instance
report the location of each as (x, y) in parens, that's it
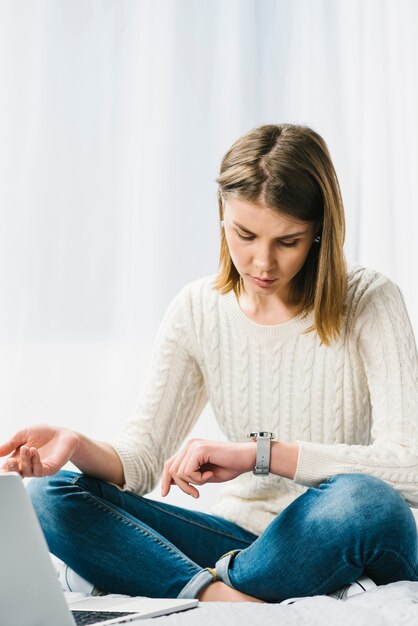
(266, 309)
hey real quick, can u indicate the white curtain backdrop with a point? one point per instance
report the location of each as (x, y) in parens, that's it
(114, 117)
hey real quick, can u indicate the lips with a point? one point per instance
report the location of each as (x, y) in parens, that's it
(263, 282)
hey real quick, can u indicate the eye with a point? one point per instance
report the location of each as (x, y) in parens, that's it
(245, 238)
(284, 244)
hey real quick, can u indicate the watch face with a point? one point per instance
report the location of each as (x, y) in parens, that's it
(261, 434)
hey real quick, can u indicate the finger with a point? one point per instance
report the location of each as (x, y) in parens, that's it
(11, 465)
(166, 483)
(15, 442)
(192, 468)
(166, 477)
(193, 455)
(37, 466)
(25, 461)
(196, 470)
(186, 487)
(6, 448)
(170, 468)
(185, 462)
(171, 478)
(177, 479)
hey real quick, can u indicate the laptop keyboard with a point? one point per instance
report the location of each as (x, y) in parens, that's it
(95, 617)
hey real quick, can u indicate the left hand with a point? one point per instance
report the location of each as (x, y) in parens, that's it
(202, 461)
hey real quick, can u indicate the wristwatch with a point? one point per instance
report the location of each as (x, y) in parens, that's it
(262, 461)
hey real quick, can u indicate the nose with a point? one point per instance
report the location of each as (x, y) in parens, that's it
(261, 265)
(263, 259)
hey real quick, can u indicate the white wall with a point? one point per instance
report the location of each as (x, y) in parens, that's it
(114, 117)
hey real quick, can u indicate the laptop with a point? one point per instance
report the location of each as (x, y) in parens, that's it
(30, 594)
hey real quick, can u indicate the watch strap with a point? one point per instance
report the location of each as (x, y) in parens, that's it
(263, 448)
(262, 460)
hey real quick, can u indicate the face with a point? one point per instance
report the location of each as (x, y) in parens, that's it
(267, 248)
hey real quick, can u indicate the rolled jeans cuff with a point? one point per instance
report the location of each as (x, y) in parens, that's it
(196, 584)
(223, 564)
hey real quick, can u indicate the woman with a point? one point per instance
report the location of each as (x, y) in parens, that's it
(286, 341)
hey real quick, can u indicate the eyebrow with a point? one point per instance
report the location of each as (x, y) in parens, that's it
(290, 236)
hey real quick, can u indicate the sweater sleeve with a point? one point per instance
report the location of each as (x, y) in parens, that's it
(173, 398)
(387, 347)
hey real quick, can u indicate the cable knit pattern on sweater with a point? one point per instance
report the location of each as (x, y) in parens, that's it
(352, 406)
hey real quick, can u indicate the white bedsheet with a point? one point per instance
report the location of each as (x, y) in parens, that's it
(389, 605)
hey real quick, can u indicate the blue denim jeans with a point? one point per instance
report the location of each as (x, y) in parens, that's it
(329, 536)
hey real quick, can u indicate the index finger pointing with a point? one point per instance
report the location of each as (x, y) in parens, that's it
(15, 442)
(165, 480)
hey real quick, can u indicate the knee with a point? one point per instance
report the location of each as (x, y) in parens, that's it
(365, 501)
(354, 490)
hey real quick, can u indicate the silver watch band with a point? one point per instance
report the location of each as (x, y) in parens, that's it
(262, 461)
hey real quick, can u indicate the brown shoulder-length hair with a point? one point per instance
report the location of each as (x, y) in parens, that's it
(288, 168)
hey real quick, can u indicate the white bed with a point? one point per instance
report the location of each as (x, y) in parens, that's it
(389, 605)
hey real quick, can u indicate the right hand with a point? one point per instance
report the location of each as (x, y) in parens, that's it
(39, 450)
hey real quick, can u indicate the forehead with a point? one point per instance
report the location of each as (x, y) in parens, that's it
(259, 217)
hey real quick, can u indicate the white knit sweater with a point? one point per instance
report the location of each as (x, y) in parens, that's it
(352, 407)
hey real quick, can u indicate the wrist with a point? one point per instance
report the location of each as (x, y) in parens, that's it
(251, 455)
(284, 459)
(79, 448)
